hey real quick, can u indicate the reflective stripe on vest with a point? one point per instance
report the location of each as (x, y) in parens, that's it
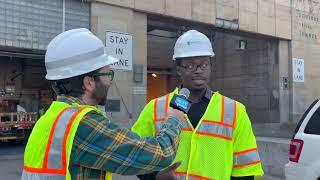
(185, 125)
(210, 128)
(56, 156)
(183, 176)
(160, 111)
(228, 111)
(55, 163)
(224, 128)
(161, 108)
(37, 176)
(246, 157)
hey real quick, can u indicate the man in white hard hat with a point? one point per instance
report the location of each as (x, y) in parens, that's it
(217, 142)
(73, 139)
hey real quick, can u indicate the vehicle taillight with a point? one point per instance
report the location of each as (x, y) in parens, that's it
(295, 149)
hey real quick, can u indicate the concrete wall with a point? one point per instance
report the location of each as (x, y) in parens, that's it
(274, 155)
(259, 77)
(280, 100)
(253, 76)
(284, 88)
(132, 95)
(248, 75)
(32, 24)
(305, 45)
(269, 17)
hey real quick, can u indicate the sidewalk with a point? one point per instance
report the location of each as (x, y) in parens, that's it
(274, 155)
(265, 177)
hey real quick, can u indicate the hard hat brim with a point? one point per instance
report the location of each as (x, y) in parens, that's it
(112, 59)
(192, 54)
(81, 68)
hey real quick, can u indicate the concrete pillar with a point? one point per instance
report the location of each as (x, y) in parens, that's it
(285, 85)
(106, 17)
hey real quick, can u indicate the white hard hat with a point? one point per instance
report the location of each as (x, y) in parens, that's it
(191, 44)
(75, 52)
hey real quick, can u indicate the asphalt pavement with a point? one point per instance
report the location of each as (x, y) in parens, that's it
(11, 161)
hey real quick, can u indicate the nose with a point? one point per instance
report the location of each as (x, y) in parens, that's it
(198, 70)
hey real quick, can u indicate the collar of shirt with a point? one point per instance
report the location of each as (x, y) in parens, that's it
(70, 100)
(205, 96)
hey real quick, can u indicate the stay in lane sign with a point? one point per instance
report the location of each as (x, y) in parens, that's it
(119, 45)
(298, 69)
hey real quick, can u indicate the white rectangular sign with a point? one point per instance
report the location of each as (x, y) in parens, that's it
(298, 70)
(119, 45)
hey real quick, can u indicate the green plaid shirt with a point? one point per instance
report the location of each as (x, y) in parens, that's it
(100, 145)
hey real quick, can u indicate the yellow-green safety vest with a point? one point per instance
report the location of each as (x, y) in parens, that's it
(47, 153)
(222, 145)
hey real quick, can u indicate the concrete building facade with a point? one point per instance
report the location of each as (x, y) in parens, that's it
(261, 76)
(266, 51)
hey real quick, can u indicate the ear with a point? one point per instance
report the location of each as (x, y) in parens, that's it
(88, 84)
(179, 70)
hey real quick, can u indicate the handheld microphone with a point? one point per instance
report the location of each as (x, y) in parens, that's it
(180, 101)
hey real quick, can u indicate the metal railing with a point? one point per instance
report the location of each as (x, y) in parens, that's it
(16, 117)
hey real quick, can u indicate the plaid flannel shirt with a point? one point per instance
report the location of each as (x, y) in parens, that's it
(100, 146)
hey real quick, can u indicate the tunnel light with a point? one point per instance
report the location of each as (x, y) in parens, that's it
(154, 75)
(10, 88)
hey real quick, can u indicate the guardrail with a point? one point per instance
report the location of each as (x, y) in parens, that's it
(16, 117)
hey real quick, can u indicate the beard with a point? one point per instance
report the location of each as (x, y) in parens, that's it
(99, 94)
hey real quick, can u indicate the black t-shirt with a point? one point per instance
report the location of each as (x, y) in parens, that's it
(197, 110)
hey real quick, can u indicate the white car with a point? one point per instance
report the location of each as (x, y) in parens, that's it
(304, 152)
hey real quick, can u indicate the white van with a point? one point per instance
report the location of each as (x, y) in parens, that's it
(304, 152)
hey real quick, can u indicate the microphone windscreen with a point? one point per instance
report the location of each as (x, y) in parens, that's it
(184, 92)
